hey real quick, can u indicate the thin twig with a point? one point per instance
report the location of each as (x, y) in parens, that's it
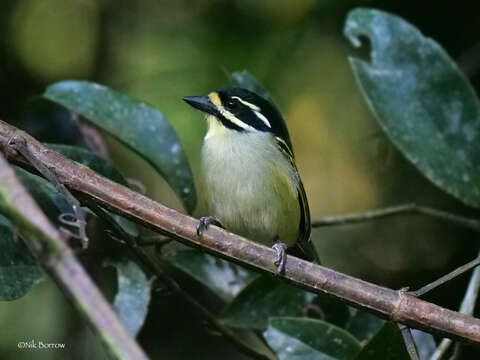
(453, 274)
(153, 266)
(467, 307)
(404, 209)
(409, 341)
(397, 306)
(59, 261)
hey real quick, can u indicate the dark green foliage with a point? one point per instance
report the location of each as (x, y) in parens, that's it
(47, 197)
(387, 343)
(19, 271)
(363, 325)
(307, 339)
(222, 277)
(263, 298)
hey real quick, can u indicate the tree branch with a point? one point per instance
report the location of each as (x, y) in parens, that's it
(58, 260)
(397, 306)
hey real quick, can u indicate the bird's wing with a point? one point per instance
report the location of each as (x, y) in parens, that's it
(305, 226)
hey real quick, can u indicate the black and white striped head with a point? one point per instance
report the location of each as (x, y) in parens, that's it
(242, 110)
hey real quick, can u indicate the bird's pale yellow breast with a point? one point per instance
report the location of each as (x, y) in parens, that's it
(250, 186)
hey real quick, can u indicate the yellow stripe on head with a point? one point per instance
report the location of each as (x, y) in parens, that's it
(215, 99)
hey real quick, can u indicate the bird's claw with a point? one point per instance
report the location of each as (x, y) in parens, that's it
(280, 250)
(205, 222)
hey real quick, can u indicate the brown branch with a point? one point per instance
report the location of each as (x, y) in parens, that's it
(60, 263)
(398, 306)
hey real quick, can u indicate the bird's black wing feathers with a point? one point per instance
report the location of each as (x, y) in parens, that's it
(304, 230)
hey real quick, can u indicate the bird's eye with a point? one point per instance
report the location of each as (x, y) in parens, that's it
(231, 104)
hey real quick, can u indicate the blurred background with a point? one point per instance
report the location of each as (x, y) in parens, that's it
(158, 51)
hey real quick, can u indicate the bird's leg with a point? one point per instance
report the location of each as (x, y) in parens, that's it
(205, 222)
(280, 249)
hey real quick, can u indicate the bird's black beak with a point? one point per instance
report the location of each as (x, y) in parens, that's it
(201, 103)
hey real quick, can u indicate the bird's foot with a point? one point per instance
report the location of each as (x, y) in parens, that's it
(280, 250)
(205, 222)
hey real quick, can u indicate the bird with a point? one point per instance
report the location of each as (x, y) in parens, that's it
(250, 180)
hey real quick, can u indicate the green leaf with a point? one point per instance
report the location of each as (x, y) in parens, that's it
(387, 343)
(222, 277)
(46, 196)
(263, 298)
(247, 81)
(133, 295)
(421, 99)
(19, 270)
(308, 339)
(363, 325)
(137, 125)
(103, 167)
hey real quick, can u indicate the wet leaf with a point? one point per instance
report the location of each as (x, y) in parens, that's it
(263, 298)
(133, 295)
(222, 277)
(19, 270)
(421, 99)
(142, 128)
(387, 343)
(307, 339)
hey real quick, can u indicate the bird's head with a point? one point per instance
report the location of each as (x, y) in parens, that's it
(241, 110)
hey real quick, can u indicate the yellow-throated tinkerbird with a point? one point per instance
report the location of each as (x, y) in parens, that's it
(252, 185)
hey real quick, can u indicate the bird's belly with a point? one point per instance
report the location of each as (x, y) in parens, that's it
(249, 195)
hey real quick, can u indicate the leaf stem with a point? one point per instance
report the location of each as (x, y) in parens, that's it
(451, 275)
